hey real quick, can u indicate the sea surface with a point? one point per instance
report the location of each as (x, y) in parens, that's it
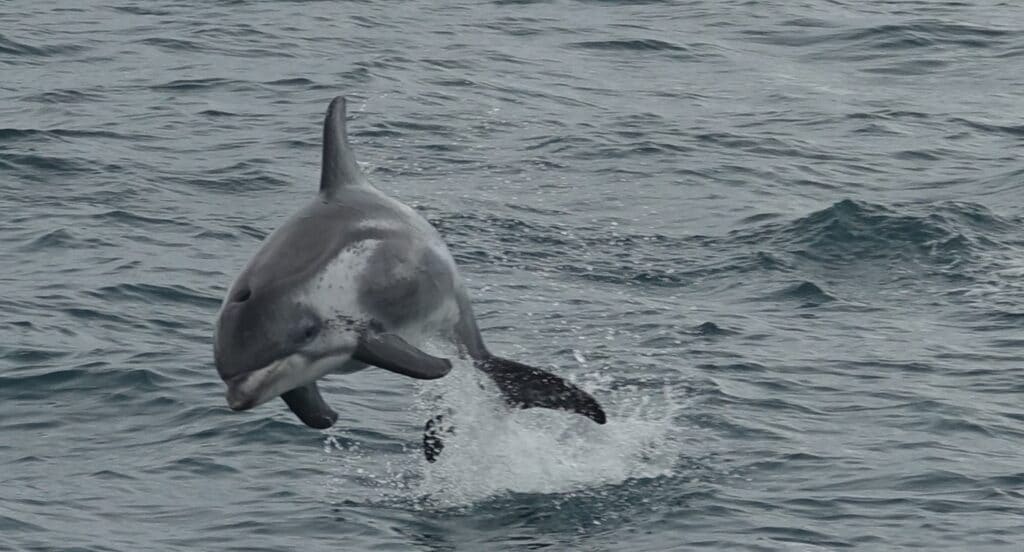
(780, 241)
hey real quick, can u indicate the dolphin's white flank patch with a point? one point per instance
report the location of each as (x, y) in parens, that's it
(335, 292)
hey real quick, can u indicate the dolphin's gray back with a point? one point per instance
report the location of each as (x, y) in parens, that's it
(309, 240)
(314, 236)
(409, 273)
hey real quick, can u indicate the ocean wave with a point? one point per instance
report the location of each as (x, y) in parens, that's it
(16, 134)
(19, 50)
(181, 85)
(856, 231)
(44, 163)
(639, 44)
(62, 238)
(913, 34)
(848, 232)
(154, 293)
(63, 96)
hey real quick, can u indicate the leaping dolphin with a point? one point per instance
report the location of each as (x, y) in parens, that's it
(357, 279)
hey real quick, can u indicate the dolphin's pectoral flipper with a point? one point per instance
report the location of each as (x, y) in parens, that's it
(390, 352)
(528, 387)
(307, 403)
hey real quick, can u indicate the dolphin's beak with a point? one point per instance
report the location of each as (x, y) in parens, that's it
(254, 388)
(237, 397)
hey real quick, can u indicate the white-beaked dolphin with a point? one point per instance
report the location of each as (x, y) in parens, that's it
(357, 279)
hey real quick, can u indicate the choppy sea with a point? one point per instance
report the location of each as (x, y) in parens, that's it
(780, 241)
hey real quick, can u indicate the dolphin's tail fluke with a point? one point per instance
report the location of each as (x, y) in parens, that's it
(528, 387)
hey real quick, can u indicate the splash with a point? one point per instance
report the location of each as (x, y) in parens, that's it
(493, 449)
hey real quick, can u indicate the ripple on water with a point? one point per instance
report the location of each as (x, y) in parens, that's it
(154, 293)
(767, 240)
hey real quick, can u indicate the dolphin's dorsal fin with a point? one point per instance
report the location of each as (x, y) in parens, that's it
(339, 167)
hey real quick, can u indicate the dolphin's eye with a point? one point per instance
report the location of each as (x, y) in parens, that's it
(310, 330)
(242, 295)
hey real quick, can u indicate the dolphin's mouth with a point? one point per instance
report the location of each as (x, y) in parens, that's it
(254, 388)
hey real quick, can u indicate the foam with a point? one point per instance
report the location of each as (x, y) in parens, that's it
(495, 450)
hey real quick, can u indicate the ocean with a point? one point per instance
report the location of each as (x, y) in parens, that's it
(779, 241)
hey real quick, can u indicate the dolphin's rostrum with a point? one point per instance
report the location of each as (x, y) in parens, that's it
(357, 279)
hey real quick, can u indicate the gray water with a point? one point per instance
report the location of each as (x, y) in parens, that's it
(779, 241)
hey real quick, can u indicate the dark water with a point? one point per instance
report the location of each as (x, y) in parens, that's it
(781, 242)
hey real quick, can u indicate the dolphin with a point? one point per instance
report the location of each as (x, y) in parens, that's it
(356, 279)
